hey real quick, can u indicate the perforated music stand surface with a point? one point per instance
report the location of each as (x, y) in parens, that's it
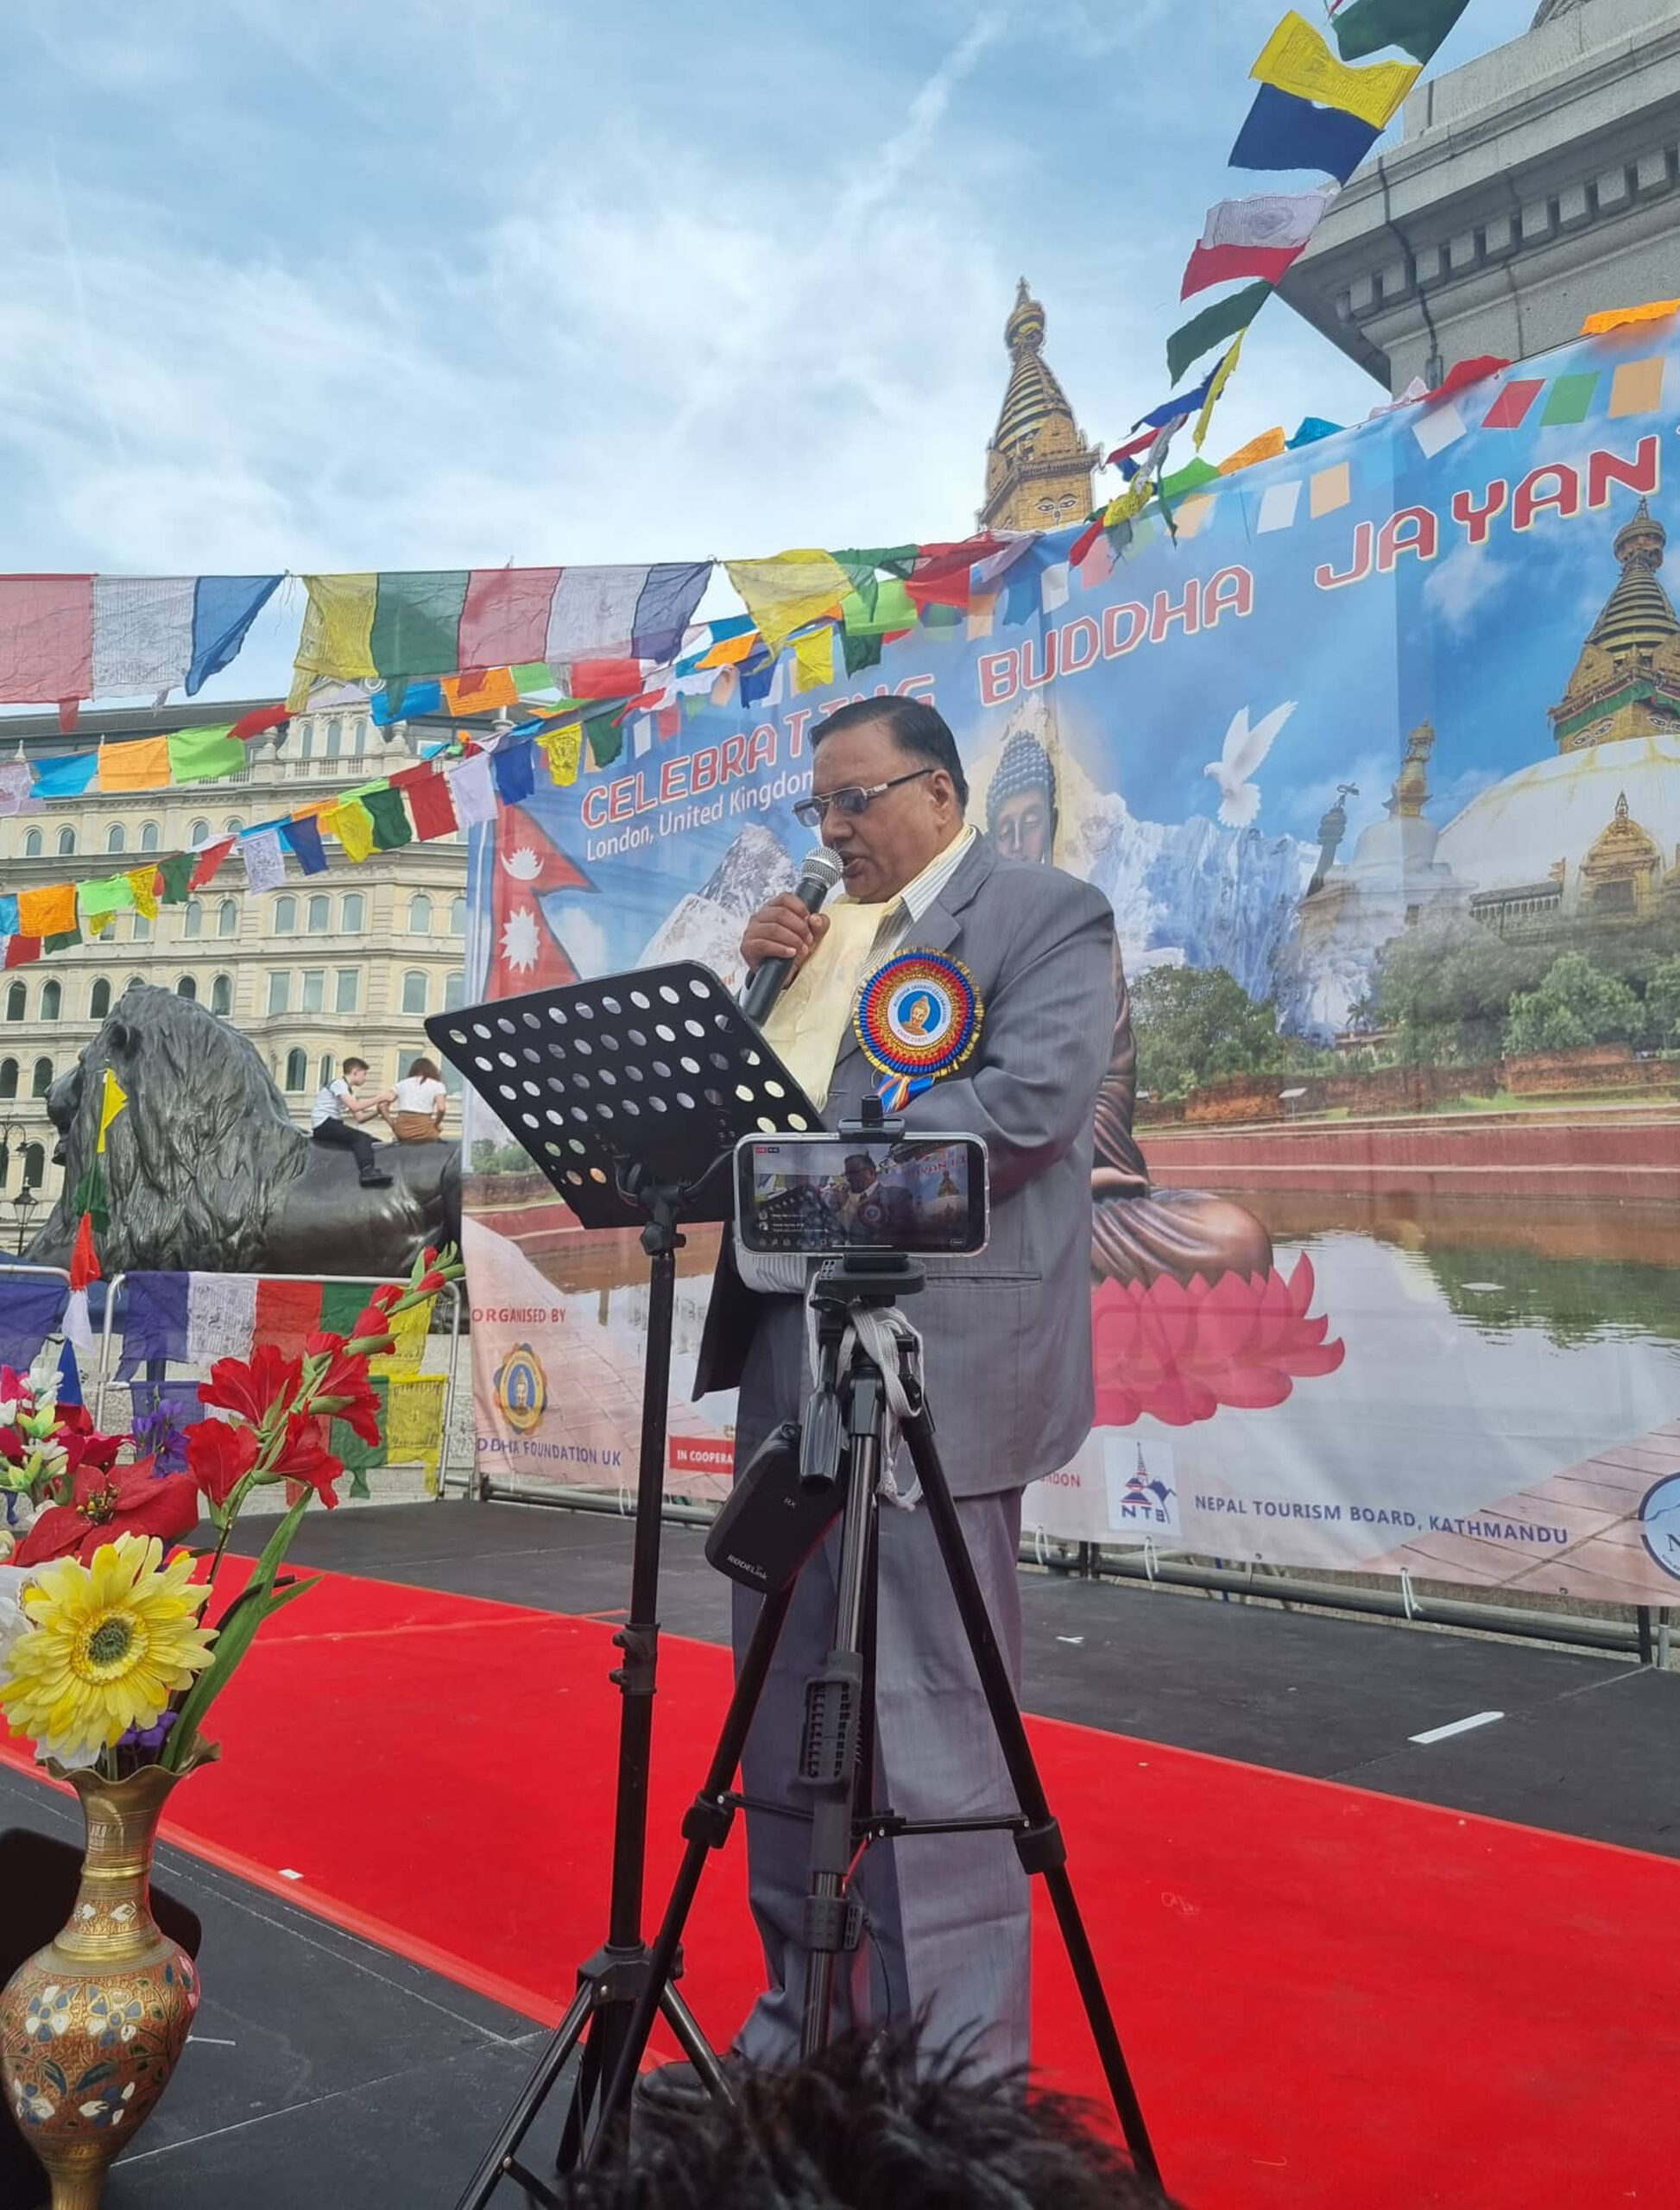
(659, 1067)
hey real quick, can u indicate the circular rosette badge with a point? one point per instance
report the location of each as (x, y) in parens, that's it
(919, 1016)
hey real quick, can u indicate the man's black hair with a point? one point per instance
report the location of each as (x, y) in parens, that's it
(918, 730)
(350, 1065)
(867, 2127)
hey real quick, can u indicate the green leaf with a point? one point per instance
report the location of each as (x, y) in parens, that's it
(235, 1635)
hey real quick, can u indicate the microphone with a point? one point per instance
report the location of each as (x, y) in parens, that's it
(818, 876)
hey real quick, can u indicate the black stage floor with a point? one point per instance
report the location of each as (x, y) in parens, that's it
(329, 2075)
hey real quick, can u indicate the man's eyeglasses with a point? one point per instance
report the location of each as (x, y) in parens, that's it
(855, 799)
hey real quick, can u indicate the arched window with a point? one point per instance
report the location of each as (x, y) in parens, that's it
(227, 919)
(116, 837)
(419, 915)
(285, 916)
(66, 841)
(232, 827)
(335, 738)
(350, 913)
(414, 991)
(98, 1003)
(325, 1069)
(297, 1069)
(188, 989)
(221, 993)
(35, 1166)
(199, 832)
(193, 923)
(318, 917)
(15, 998)
(458, 917)
(32, 845)
(455, 991)
(42, 1081)
(148, 838)
(8, 1077)
(52, 1000)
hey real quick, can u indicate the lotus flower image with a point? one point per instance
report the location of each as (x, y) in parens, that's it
(1179, 1351)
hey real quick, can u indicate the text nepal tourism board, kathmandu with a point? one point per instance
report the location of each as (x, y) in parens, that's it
(1379, 766)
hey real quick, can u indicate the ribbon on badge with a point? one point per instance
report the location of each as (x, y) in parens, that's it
(918, 1018)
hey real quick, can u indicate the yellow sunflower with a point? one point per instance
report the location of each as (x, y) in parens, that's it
(105, 1647)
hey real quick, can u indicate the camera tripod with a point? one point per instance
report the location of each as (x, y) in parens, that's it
(861, 1389)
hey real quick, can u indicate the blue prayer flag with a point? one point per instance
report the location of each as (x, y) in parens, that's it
(303, 837)
(1283, 132)
(224, 607)
(514, 767)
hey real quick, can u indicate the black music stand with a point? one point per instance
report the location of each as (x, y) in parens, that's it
(630, 1094)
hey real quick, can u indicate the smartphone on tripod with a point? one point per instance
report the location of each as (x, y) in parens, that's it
(824, 1196)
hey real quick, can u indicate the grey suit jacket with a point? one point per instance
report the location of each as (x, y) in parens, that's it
(1007, 1334)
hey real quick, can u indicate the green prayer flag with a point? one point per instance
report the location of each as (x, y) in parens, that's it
(343, 1304)
(417, 622)
(606, 739)
(114, 894)
(62, 941)
(1215, 325)
(90, 1196)
(532, 675)
(861, 650)
(1192, 478)
(1569, 398)
(177, 874)
(390, 816)
(198, 755)
(1417, 26)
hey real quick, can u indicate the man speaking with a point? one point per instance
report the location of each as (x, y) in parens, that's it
(1007, 1368)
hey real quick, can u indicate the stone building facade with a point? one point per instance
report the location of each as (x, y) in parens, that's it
(350, 960)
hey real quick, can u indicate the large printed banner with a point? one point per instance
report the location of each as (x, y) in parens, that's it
(1379, 762)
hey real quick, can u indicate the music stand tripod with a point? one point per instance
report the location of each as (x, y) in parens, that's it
(841, 1440)
(630, 1094)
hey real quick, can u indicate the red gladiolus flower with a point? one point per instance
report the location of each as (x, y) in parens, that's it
(305, 1457)
(252, 1390)
(219, 1455)
(129, 1500)
(372, 1327)
(388, 1294)
(344, 1393)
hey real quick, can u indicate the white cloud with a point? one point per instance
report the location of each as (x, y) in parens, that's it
(1459, 585)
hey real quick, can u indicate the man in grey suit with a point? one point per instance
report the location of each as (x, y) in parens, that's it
(1008, 1341)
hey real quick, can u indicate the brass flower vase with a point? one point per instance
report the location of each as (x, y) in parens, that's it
(93, 2026)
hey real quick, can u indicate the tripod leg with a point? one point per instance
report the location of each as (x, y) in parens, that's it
(550, 2065)
(834, 1699)
(1041, 1847)
(705, 1826)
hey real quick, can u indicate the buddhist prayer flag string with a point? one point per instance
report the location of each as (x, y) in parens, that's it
(64, 638)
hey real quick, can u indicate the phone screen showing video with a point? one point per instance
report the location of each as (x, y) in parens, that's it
(837, 1194)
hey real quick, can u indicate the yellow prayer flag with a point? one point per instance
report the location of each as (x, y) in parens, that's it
(1615, 317)
(338, 633)
(352, 824)
(49, 912)
(142, 765)
(1216, 383)
(1296, 59)
(143, 883)
(1266, 446)
(564, 750)
(814, 656)
(115, 1099)
(783, 594)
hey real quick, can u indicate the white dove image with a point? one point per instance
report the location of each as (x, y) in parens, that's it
(1245, 747)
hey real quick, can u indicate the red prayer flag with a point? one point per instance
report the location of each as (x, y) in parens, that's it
(1088, 537)
(429, 802)
(504, 617)
(1513, 404)
(23, 950)
(209, 860)
(606, 679)
(259, 720)
(84, 1258)
(941, 573)
(286, 1312)
(1218, 264)
(46, 639)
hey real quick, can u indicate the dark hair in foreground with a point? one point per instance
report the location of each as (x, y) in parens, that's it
(864, 2126)
(423, 1070)
(918, 729)
(348, 1066)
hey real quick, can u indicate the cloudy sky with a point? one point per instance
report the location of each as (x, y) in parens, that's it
(345, 284)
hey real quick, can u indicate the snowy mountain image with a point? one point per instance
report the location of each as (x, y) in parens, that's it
(706, 924)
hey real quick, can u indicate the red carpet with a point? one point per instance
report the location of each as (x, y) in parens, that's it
(1328, 1997)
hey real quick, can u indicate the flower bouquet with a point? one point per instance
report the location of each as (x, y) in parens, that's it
(110, 1661)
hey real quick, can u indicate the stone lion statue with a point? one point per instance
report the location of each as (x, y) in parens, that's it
(205, 1172)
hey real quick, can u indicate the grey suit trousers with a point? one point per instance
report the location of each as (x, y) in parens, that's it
(948, 1917)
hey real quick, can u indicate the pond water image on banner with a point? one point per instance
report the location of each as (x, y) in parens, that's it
(1377, 760)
